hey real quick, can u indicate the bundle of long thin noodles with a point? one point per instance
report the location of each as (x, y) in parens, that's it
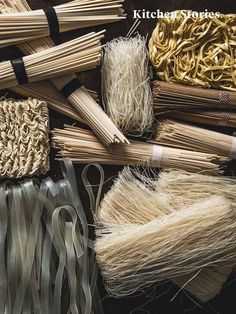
(183, 242)
(83, 147)
(189, 137)
(195, 51)
(80, 54)
(17, 28)
(159, 198)
(125, 87)
(48, 92)
(216, 118)
(83, 103)
(168, 97)
(24, 138)
(44, 249)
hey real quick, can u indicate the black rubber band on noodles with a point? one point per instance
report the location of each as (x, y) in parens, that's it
(71, 87)
(53, 23)
(20, 71)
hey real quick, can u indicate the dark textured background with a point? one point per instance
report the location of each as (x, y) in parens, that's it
(156, 299)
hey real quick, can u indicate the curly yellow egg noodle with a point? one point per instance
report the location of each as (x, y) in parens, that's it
(196, 51)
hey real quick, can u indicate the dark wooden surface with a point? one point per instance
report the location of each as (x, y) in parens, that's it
(156, 299)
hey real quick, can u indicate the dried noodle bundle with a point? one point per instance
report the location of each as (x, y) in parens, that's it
(81, 146)
(79, 98)
(80, 54)
(169, 97)
(120, 208)
(125, 84)
(195, 51)
(216, 118)
(183, 242)
(17, 28)
(189, 137)
(48, 92)
(44, 249)
(24, 142)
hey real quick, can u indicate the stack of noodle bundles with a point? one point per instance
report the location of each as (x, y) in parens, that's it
(195, 51)
(86, 107)
(181, 228)
(24, 138)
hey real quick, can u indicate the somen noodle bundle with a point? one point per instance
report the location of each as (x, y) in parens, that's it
(80, 54)
(81, 146)
(195, 50)
(21, 27)
(48, 92)
(74, 92)
(169, 97)
(189, 137)
(159, 198)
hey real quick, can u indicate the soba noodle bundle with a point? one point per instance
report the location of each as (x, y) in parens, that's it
(195, 51)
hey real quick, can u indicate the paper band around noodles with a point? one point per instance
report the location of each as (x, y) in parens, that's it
(157, 156)
(224, 98)
(224, 119)
(53, 24)
(19, 69)
(233, 148)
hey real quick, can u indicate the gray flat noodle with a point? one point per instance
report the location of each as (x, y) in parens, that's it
(3, 233)
(41, 223)
(70, 176)
(94, 204)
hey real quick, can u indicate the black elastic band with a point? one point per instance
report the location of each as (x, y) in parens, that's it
(53, 23)
(71, 87)
(20, 71)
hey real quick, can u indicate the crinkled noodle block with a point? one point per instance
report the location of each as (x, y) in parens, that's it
(24, 138)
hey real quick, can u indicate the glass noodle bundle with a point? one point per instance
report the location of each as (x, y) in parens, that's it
(78, 97)
(81, 146)
(195, 51)
(189, 137)
(163, 194)
(21, 27)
